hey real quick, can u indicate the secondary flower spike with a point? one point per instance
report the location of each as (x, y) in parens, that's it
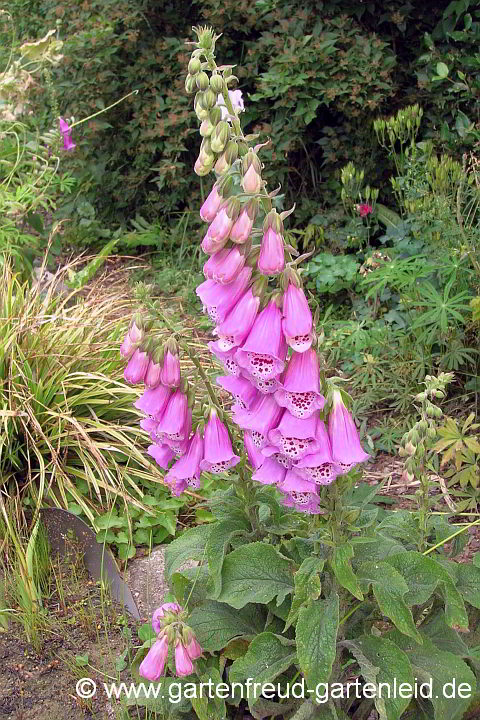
(68, 143)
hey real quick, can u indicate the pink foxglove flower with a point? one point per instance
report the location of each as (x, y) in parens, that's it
(211, 205)
(294, 437)
(137, 367)
(171, 370)
(68, 143)
(235, 98)
(226, 358)
(218, 455)
(179, 443)
(346, 448)
(238, 323)
(128, 347)
(255, 457)
(183, 663)
(243, 225)
(270, 473)
(154, 401)
(319, 466)
(174, 420)
(263, 352)
(271, 260)
(159, 615)
(263, 415)
(297, 319)
(299, 493)
(153, 374)
(252, 181)
(224, 266)
(162, 454)
(193, 648)
(153, 664)
(218, 299)
(273, 452)
(300, 389)
(242, 390)
(186, 471)
(219, 230)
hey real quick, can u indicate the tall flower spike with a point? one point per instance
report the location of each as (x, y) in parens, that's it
(263, 352)
(300, 390)
(346, 448)
(297, 319)
(68, 143)
(218, 455)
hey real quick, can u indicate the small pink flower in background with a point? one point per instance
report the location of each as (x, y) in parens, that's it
(364, 209)
(153, 664)
(236, 100)
(68, 143)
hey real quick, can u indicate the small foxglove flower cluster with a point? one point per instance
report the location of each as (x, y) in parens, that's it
(169, 625)
(167, 404)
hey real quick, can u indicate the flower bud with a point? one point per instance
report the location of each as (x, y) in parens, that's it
(209, 98)
(206, 128)
(220, 136)
(200, 110)
(205, 37)
(202, 166)
(216, 83)
(202, 80)
(431, 433)
(194, 66)
(190, 85)
(215, 115)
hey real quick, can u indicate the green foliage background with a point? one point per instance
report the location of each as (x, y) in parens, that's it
(314, 75)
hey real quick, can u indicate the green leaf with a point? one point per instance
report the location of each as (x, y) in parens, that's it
(422, 575)
(442, 70)
(389, 588)
(189, 546)
(255, 573)
(316, 635)
(146, 632)
(215, 624)
(217, 544)
(340, 562)
(307, 586)
(382, 661)
(81, 660)
(387, 217)
(444, 637)
(209, 708)
(468, 583)
(438, 667)
(268, 656)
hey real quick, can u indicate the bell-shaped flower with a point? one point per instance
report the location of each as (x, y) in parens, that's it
(294, 437)
(218, 299)
(241, 389)
(153, 664)
(263, 352)
(238, 323)
(224, 266)
(243, 225)
(273, 452)
(252, 181)
(346, 448)
(299, 493)
(179, 442)
(300, 388)
(173, 422)
(153, 374)
(162, 454)
(270, 472)
(193, 648)
(226, 358)
(236, 100)
(183, 663)
(319, 466)
(271, 260)
(219, 230)
(68, 143)
(255, 457)
(263, 415)
(154, 401)
(212, 204)
(186, 471)
(218, 452)
(267, 387)
(137, 367)
(171, 370)
(297, 319)
(162, 613)
(128, 347)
